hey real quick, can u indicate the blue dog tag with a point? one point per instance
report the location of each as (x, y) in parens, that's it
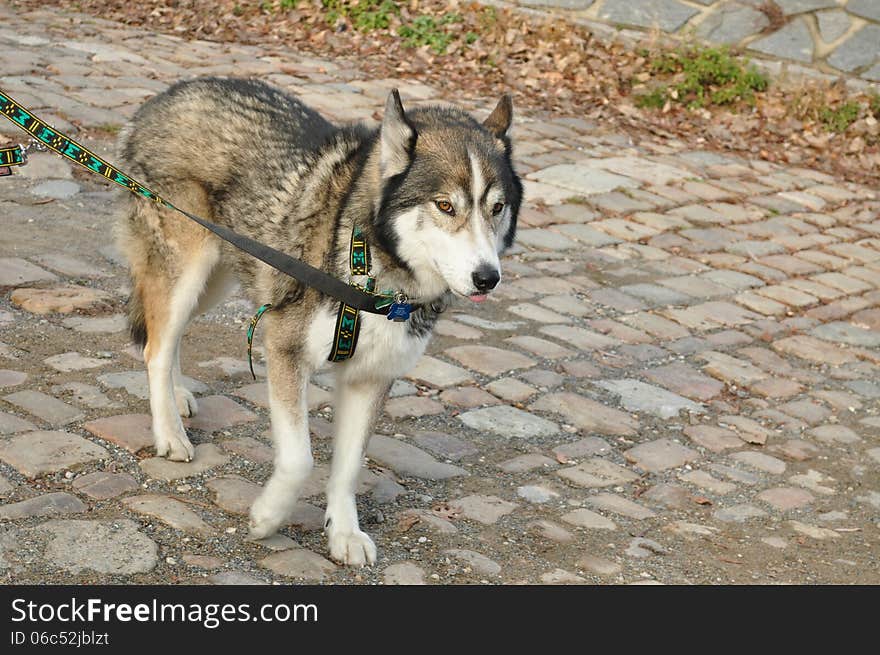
(399, 312)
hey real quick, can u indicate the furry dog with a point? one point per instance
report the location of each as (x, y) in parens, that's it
(432, 191)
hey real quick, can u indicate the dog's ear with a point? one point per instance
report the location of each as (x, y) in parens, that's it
(501, 117)
(397, 138)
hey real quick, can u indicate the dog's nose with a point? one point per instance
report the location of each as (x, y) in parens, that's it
(485, 278)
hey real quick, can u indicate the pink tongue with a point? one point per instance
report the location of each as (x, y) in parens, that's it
(478, 297)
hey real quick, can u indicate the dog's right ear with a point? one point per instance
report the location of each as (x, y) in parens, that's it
(397, 138)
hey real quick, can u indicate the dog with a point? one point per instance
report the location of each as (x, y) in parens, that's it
(432, 191)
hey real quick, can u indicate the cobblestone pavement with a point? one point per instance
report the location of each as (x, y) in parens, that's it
(834, 36)
(676, 383)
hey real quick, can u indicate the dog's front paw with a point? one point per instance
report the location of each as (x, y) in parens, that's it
(264, 520)
(186, 402)
(353, 548)
(177, 449)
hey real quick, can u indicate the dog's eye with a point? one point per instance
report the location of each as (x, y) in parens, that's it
(496, 208)
(445, 206)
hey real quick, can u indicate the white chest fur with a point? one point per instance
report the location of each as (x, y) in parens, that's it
(386, 350)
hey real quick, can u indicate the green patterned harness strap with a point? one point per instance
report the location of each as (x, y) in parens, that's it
(250, 334)
(348, 322)
(12, 156)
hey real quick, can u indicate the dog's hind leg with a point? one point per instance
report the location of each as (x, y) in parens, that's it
(355, 409)
(288, 375)
(217, 287)
(162, 351)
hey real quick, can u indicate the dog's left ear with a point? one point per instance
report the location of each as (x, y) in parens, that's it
(501, 117)
(397, 138)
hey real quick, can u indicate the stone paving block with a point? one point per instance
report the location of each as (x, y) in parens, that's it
(446, 446)
(785, 499)
(135, 383)
(524, 463)
(509, 422)
(620, 505)
(15, 272)
(73, 361)
(776, 388)
(856, 51)
(813, 531)
(637, 396)
(102, 485)
(841, 332)
(10, 424)
(408, 460)
(580, 338)
(540, 347)
(412, 406)
(218, 413)
(36, 453)
(814, 350)
(597, 472)
(51, 504)
(44, 407)
(467, 397)
(733, 280)
(731, 369)
(169, 511)
(301, 564)
(708, 482)
(63, 300)
(660, 455)
(761, 304)
(807, 410)
(713, 438)
(832, 434)
(586, 414)
(656, 295)
(668, 15)
(207, 456)
(489, 360)
(748, 429)
(656, 326)
(739, 513)
(576, 179)
(760, 461)
(483, 509)
(616, 300)
(788, 296)
(532, 312)
(511, 389)
(134, 432)
(584, 518)
(10, 378)
(114, 546)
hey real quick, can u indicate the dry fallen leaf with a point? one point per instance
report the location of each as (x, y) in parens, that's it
(407, 522)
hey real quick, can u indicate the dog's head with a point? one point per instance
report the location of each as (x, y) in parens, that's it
(450, 196)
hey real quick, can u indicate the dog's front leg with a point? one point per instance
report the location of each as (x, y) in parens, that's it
(356, 407)
(288, 384)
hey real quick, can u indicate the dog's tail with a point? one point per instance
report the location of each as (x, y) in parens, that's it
(137, 320)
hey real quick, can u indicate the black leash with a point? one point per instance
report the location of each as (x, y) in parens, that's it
(394, 306)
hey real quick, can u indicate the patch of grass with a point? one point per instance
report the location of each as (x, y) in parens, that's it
(238, 10)
(655, 99)
(874, 104)
(268, 6)
(426, 31)
(704, 76)
(365, 15)
(837, 119)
